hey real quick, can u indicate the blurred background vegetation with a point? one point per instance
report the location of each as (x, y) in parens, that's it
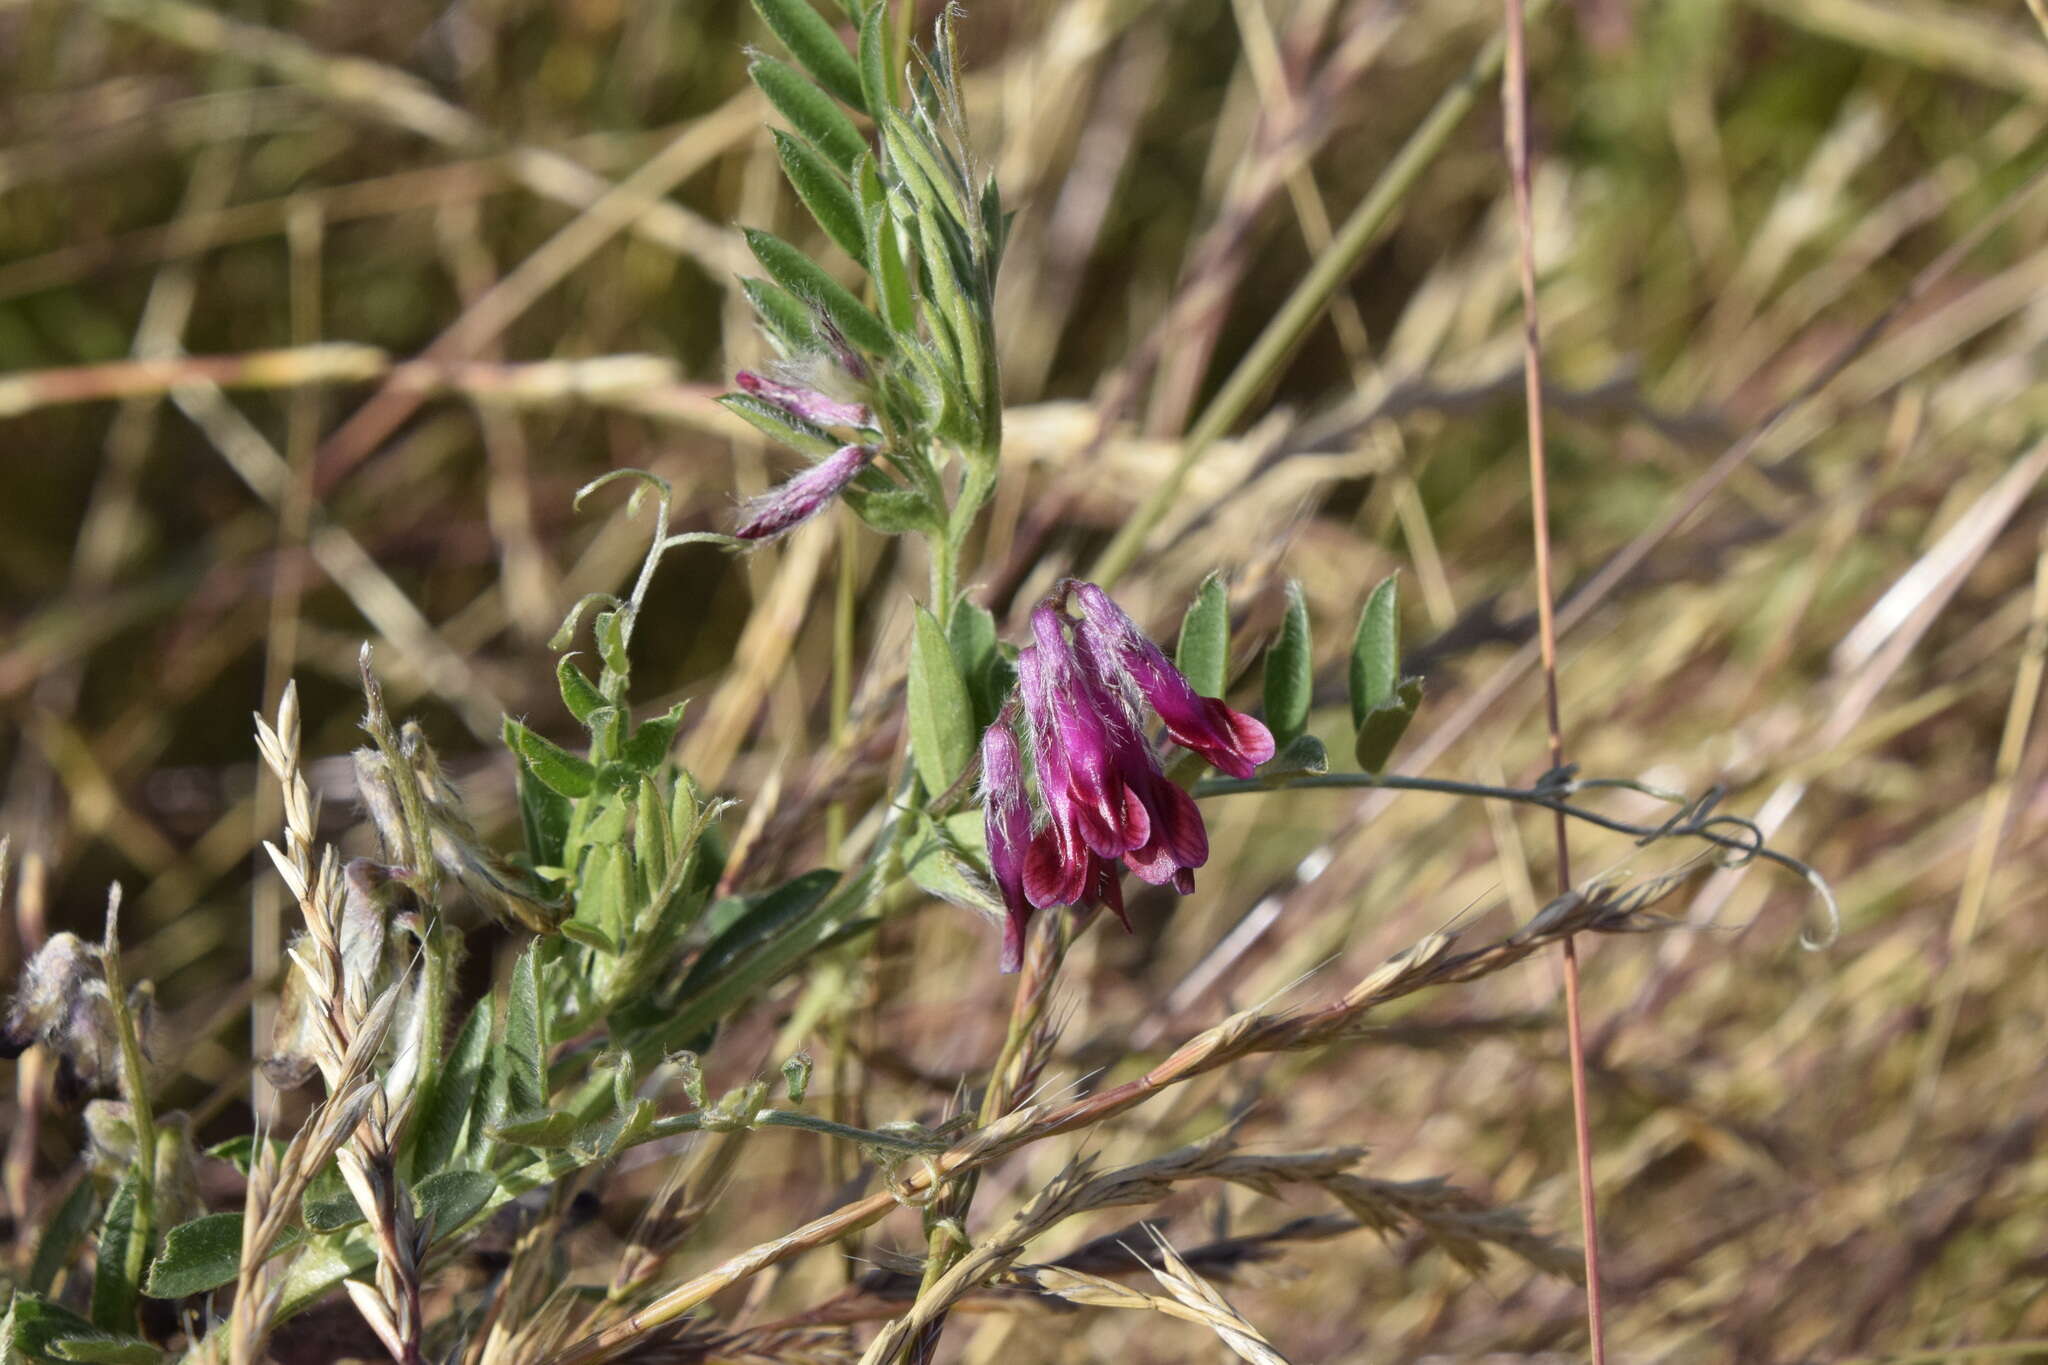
(314, 315)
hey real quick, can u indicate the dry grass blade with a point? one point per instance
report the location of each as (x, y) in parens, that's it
(1210, 1308)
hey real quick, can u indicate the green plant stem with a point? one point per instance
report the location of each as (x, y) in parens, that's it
(945, 572)
(418, 857)
(1550, 798)
(841, 703)
(1046, 952)
(1261, 364)
(437, 981)
(134, 1089)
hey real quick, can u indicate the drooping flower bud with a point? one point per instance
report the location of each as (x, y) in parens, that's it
(1230, 740)
(789, 504)
(806, 404)
(1007, 812)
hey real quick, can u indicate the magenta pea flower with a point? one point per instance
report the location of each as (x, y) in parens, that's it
(806, 404)
(1229, 740)
(789, 504)
(1106, 804)
(1008, 814)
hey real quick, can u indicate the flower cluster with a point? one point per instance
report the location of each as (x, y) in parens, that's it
(1106, 803)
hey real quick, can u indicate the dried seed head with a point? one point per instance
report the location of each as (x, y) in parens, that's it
(63, 1004)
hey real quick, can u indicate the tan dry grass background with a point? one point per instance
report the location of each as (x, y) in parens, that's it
(449, 261)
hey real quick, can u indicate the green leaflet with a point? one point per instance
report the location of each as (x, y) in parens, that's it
(816, 47)
(1204, 652)
(809, 110)
(1290, 673)
(806, 279)
(114, 1294)
(558, 769)
(204, 1254)
(1376, 650)
(778, 425)
(941, 717)
(825, 193)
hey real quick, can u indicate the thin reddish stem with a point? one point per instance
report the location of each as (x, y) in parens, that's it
(1515, 99)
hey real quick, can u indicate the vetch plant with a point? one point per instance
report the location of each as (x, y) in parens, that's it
(1044, 762)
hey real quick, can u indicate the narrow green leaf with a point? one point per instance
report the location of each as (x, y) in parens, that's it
(579, 693)
(542, 1132)
(63, 1233)
(949, 290)
(995, 222)
(436, 1130)
(524, 1049)
(1204, 651)
(806, 279)
(650, 849)
(774, 934)
(757, 920)
(778, 425)
(33, 1328)
(972, 634)
(929, 182)
(1290, 672)
(487, 1098)
(544, 817)
(941, 717)
(648, 749)
(560, 770)
(877, 84)
(113, 1292)
(590, 936)
(885, 258)
(1385, 724)
(828, 196)
(1376, 651)
(783, 314)
(809, 110)
(940, 397)
(205, 1254)
(448, 1199)
(816, 47)
(601, 909)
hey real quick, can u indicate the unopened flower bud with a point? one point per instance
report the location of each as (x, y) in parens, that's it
(805, 404)
(788, 505)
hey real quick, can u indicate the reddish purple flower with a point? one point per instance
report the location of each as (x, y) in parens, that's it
(1008, 814)
(1107, 803)
(806, 404)
(1107, 799)
(790, 503)
(1229, 740)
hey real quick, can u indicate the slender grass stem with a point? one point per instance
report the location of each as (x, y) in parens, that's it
(1515, 98)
